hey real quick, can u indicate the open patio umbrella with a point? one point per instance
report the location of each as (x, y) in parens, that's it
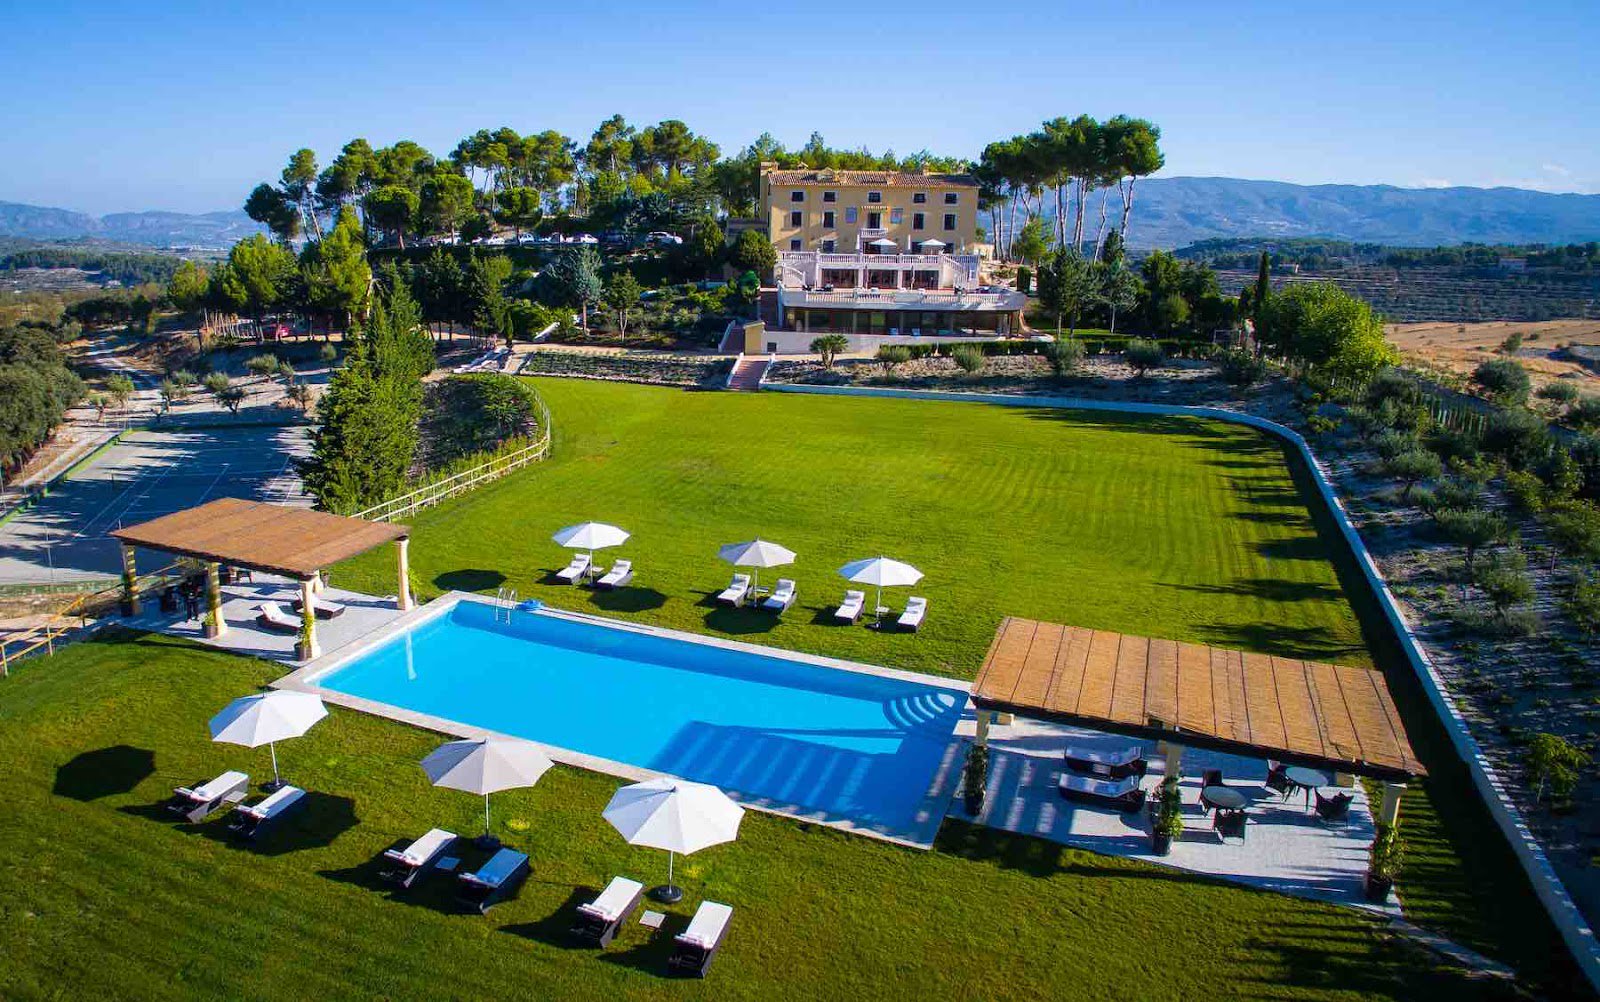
(266, 719)
(485, 767)
(934, 243)
(590, 536)
(675, 815)
(757, 553)
(881, 571)
(884, 242)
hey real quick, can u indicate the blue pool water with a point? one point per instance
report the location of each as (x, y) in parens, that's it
(806, 739)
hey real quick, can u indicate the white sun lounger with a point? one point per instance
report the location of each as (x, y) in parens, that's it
(196, 803)
(600, 920)
(253, 820)
(850, 609)
(781, 598)
(736, 592)
(618, 576)
(322, 608)
(575, 570)
(696, 947)
(418, 857)
(916, 608)
(274, 617)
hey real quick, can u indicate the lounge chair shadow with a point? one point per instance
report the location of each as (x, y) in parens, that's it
(629, 599)
(435, 890)
(104, 772)
(555, 929)
(823, 616)
(323, 818)
(647, 950)
(469, 579)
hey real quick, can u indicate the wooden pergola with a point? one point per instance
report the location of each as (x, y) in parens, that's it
(1327, 717)
(274, 539)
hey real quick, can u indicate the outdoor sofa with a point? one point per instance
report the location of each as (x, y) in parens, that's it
(600, 920)
(494, 881)
(198, 802)
(696, 947)
(252, 821)
(1123, 794)
(406, 865)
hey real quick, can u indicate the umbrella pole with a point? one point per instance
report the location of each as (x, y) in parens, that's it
(487, 840)
(669, 893)
(277, 783)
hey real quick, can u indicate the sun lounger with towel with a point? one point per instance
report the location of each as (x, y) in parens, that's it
(197, 803)
(850, 609)
(736, 592)
(781, 598)
(696, 947)
(911, 619)
(494, 881)
(273, 617)
(1123, 794)
(254, 820)
(600, 920)
(323, 608)
(575, 570)
(416, 859)
(618, 576)
(1106, 763)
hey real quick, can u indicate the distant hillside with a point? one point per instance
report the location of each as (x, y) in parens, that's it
(1176, 211)
(210, 230)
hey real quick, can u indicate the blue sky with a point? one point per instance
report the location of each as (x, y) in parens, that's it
(186, 106)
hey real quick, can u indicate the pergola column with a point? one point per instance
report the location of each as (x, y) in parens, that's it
(130, 582)
(1174, 756)
(318, 585)
(308, 647)
(216, 626)
(981, 738)
(403, 592)
(1389, 812)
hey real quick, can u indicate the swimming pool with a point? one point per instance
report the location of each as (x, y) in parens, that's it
(802, 738)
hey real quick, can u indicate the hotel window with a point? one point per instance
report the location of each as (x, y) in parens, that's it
(874, 220)
(797, 196)
(795, 244)
(949, 220)
(897, 215)
(919, 220)
(951, 198)
(827, 246)
(920, 198)
(874, 197)
(827, 220)
(916, 246)
(796, 218)
(830, 196)
(849, 213)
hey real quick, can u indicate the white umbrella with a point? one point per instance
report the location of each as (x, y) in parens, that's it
(934, 243)
(757, 553)
(485, 767)
(881, 571)
(590, 536)
(266, 719)
(884, 242)
(675, 815)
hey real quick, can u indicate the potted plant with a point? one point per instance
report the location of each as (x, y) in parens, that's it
(1168, 823)
(975, 779)
(1383, 863)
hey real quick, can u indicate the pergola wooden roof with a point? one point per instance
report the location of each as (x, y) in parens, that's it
(277, 539)
(1300, 712)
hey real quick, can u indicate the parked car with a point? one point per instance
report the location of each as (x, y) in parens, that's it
(660, 238)
(613, 238)
(496, 241)
(585, 238)
(528, 238)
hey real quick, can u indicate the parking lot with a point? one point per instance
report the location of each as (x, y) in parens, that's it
(145, 475)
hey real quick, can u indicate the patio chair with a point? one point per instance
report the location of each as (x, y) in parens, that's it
(251, 821)
(911, 619)
(321, 608)
(781, 598)
(574, 571)
(198, 802)
(494, 881)
(737, 591)
(600, 920)
(407, 865)
(1334, 809)
(272, 616)
(1230, 824)
(696, 947)
(618, 576)
(850, 609)
(1123, 794)
(1278, 779)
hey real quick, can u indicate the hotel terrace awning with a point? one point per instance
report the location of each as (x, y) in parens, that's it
(276, 539)
(1299, 712)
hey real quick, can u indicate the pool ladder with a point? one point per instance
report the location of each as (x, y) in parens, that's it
(505, 598)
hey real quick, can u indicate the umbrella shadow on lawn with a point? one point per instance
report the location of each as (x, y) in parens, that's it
(736, 620)
(469, 579)
(627, 599)
(104, 772)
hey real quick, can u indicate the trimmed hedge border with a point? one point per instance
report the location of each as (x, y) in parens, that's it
(1552, 893)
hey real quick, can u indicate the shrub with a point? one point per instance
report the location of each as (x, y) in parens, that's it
(1386, 856)
(1511, 345)
(1411, 466)
(1559, 393)
(1449, 445)
(328, 353)
(1391, 384)
(1554, 762)
(1504, 580)
(829, 346)
(970, 358)
(1025, 280)
(1517, 436)
(1473, 531)
(1575, 529)
(216, 383)
(891, 355)
(1240, 368)
(1585, 414)
(1392, 443)
(262, 365)
(1583, 605)
(1504, 380)
(975, 778)
(1064, 356)
(1144, 355)
(1525, 490)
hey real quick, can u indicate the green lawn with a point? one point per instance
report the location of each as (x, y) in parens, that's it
(1175, 528)
(102, 898)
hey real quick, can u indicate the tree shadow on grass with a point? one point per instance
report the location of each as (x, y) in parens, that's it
(469, 579)
(555, 929)
(979, 843)
(627, 599)
(1313, 642)
(1298, 548)
(104, 772)
(1298, 519)
(1269, 589)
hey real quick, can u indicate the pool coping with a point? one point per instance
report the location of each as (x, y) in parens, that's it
(931, 808)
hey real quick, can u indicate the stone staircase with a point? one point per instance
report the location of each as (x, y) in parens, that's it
(747, 373)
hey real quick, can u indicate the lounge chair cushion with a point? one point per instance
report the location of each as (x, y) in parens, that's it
(707, 926)
(500, 867)
(423, 849)
(215, 788)
(279, 800)
(614, 900)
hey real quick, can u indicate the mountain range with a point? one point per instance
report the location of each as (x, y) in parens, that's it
(1168, 212)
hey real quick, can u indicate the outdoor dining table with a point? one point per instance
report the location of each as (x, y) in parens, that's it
(1223, 798)
(1307, 779)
